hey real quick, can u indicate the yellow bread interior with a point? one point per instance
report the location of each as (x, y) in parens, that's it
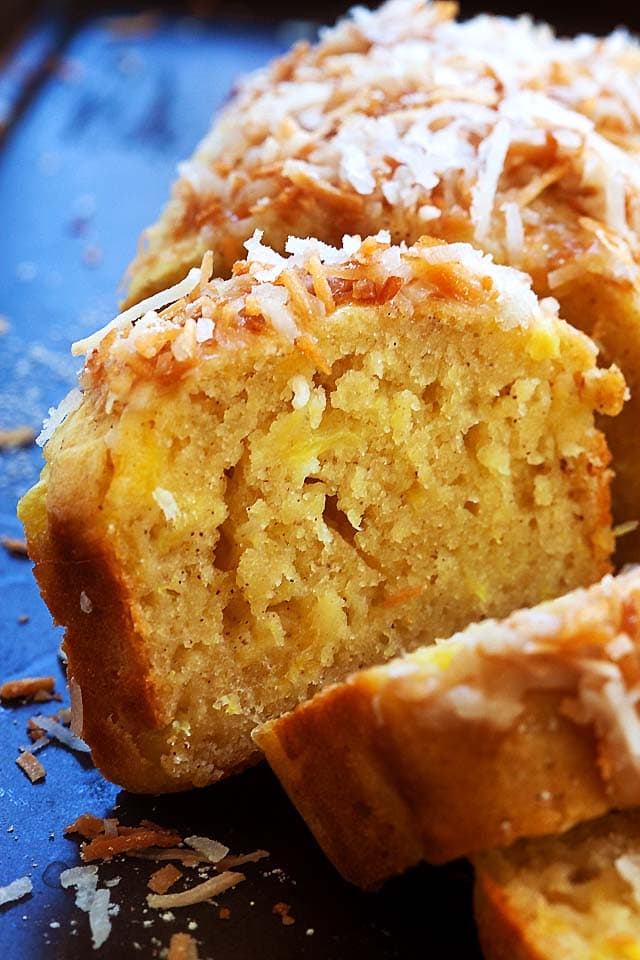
(573, 897)
(242, 530)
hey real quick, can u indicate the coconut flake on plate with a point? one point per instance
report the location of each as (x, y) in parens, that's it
(211, 849)
(15, 890)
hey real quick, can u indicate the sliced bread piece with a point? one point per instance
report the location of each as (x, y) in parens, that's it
(303, 470)
(509, 729)
(491, 131)
(574, 897)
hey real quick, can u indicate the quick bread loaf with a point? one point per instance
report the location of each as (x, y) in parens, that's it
(277, 479)
(515, 728)
(491, 131)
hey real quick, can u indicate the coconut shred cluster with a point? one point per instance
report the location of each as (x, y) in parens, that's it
(572, 648)
(288, 296)
(405, 117)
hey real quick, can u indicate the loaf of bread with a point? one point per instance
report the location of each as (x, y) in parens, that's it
(306, 469)
(490, 131)
(509, 729)
(574, 897)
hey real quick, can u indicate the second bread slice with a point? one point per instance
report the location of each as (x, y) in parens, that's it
(516, 728)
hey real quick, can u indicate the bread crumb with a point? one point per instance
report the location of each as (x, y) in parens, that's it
(15, 547)
(224, 913)
(281, 910)
(13, 437)
(27, 688)
(182, 946)
(164, 878)
(15, 890)
(31, 766)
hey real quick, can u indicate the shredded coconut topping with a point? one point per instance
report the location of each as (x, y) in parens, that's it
(405, 117)
(289, 297)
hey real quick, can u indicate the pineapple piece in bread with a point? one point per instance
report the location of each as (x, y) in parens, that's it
(515, 728)
(572, 897)
(306, 469)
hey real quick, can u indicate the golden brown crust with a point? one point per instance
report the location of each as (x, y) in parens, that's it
(105, 647)
(382, 785)
(387, 769)
(500, 930)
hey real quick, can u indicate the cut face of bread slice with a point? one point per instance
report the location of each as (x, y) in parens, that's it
(510, 729)
(490, 131)
(574, 897)
(306, 469)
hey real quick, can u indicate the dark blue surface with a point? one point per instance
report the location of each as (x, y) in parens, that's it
(84, 169)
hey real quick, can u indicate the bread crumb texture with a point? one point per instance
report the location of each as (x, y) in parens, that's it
(363, 450)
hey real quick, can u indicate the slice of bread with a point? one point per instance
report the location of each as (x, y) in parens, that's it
(574, 897)
(509, 729)
(490, 131)
(306, 469)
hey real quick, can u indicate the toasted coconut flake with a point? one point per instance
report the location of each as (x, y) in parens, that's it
(198, 894)
(491, 158)
(188, 858)
(135, 838)
(539, 184)
(85, 881)
(58, 414)
(87, 825)
(15, 890)
(33, 730)
(622, 529)
(17, 437)
(15, 546)
(57, 731)
(155, 302)
(212, 850)
(99, 921)
(182, 947)
(91, 900)
(37, 745)
(76, 718)
(206, 268)
(64, 715)
(26, 688)
(31, 766)
(229, 863)
(43, 697)
(282, 910)
(164, 878)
